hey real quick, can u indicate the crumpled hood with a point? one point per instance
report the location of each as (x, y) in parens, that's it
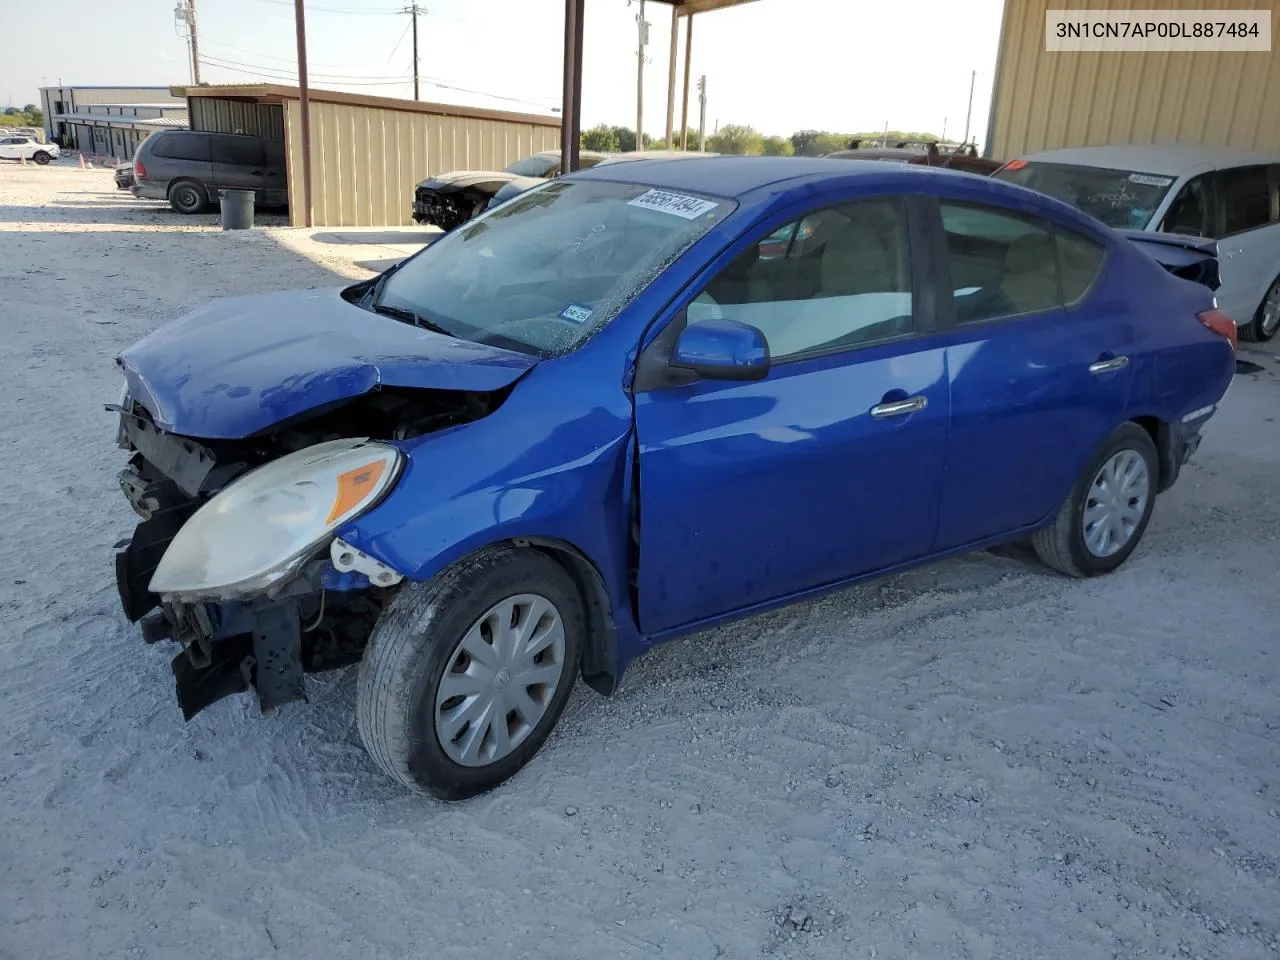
(239, 365)
(461, 179)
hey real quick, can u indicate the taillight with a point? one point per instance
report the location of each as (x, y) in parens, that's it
(139, 171)
(1221, 324)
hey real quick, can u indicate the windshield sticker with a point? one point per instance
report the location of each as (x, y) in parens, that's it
(576, 313)
(1149, 181)
(679, 204)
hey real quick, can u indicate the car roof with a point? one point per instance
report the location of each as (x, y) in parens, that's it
(656, 155)
(734, 176)
(1170, 159)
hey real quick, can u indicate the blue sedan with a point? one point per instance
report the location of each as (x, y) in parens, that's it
(635, 402)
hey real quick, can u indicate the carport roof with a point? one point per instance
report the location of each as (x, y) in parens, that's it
(277, 93)
(685, 7)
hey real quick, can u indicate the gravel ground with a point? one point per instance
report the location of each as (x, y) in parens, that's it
(976, 759)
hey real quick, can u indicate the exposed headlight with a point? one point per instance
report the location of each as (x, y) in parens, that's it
(262, 528)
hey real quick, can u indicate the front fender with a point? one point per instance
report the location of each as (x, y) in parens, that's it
(505, 478)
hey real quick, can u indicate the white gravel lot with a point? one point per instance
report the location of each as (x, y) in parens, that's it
(977, 759)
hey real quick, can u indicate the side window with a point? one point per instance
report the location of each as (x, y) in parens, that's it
(1079, 261)
(1002, 264)
(1190, 212)
(183, 146)
(837, 278)
(237, 151)
(1246, 198)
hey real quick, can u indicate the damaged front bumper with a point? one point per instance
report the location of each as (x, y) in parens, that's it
(317, 620)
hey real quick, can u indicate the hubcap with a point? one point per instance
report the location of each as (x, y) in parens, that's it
(1117, 500)
(500, 680)
(1271, 311)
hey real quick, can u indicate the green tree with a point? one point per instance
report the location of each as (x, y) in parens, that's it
(817, 143)
(30, 109)
(11, 111)
(603, 138)
(736, 139)
(777, 147)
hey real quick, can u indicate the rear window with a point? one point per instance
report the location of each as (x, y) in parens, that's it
(237, 151)
(182, 146)
(535, 166)
(1124, 199)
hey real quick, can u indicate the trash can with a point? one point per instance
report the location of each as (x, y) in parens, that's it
(237, 209)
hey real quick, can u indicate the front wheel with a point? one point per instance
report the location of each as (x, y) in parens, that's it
(465, 675)
(1266, 320)
(1107, 510)
(41, 157)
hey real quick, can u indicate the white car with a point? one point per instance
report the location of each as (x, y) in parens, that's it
(1230, 196)
(16, 148)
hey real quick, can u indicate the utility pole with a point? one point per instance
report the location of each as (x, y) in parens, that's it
(969, 113)
(413, 11)
(702, 114)
(643, 40)
(304, 109)
(185, 14)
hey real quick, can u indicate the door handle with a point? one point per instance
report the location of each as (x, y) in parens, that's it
(898, 408)
(1108, 366)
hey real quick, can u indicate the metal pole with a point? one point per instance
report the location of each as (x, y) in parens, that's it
(969, 113)
(688, 57)
(571, 97)
(702, 113)
(640, 79)
(195, 42)
(414, 12)
(671, 78)
(304, 110)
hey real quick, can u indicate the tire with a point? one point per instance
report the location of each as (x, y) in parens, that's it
(187, 196)
(1063, 544)
(1266, 319)
(402, 712)
(42, 157)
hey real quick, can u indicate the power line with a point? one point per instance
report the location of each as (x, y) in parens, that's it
(271, 68)
(264, 73)
(354, 11)
(291, 61)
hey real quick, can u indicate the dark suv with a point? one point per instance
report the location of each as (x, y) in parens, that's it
(187, 168)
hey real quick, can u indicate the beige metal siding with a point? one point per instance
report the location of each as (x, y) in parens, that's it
(1045, 100)
(366, 160)
(221, 115)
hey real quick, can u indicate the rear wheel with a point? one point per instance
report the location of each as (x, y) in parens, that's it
(186, 196)
(42, 157)
(465, 675)
(1266, 320)
(1108, 509)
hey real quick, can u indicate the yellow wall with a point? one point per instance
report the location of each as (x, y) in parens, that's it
(366, 160)
(1045, 100)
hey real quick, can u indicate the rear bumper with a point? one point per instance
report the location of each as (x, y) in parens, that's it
(149, 190)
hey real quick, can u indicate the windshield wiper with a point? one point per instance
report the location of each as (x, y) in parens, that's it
(400, 313)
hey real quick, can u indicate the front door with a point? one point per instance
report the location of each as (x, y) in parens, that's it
(10, 148)
(1039, 368)
(827, 468)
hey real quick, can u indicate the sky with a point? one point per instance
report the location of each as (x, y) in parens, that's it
(776, 65)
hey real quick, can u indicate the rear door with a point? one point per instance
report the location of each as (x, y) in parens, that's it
(1249, 232)
(831, 465)
(239, 163)
(1039, 370)
(276, 190)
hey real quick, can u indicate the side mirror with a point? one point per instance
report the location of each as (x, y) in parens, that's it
(722, 350)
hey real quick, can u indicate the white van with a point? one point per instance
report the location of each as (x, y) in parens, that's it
(1228, 195)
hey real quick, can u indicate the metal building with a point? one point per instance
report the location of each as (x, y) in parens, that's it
(73, 116)
(367, 153)
(1043, 100)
